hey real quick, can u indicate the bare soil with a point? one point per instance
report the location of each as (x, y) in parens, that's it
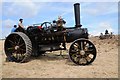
(51, 65)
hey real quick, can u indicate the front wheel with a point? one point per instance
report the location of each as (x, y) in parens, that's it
(82, 52)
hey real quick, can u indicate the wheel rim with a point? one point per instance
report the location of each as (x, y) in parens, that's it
(15, 48)
(82, 52)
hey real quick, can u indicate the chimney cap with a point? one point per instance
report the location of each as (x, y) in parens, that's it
(77, 4)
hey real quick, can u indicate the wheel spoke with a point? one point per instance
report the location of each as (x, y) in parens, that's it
(75, 48)
(22, 49)
(14, 54)
(83, 61)
(19, 51)
(74, 51)
(15, 39)
(81, 45)
(88, 59)
(18, 56)
(76, 45)
(21, 45)
(12, 43)
(85, 43)
(19, 41)
(75, 55)
(76, 59)
(91, 51)
(12, 48)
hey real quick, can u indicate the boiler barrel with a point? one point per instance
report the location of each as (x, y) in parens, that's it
(77, 14)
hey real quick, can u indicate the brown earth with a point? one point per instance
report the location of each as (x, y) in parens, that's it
(53, 66)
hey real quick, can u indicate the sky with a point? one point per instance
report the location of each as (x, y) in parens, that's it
(95, 16)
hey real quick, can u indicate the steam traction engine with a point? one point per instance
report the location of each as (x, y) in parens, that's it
(20, 46)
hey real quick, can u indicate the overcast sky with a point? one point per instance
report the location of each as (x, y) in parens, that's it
(96, 16)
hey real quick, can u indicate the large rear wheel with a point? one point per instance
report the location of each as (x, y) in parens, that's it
(18, 47)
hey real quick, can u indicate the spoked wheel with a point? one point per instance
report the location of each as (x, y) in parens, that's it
(18, 47)
(82, 52)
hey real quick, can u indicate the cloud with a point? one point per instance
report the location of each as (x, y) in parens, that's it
(0, 26)
(21, 9)
(102, 8)
(0, 23)
(101, 28)
(8, 23)
(6, 27)
(62, 8)
(0, 9)
(105, 25)
(63, 0)
(37, 12)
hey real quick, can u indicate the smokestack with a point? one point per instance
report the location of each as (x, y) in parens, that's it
(77, 14)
